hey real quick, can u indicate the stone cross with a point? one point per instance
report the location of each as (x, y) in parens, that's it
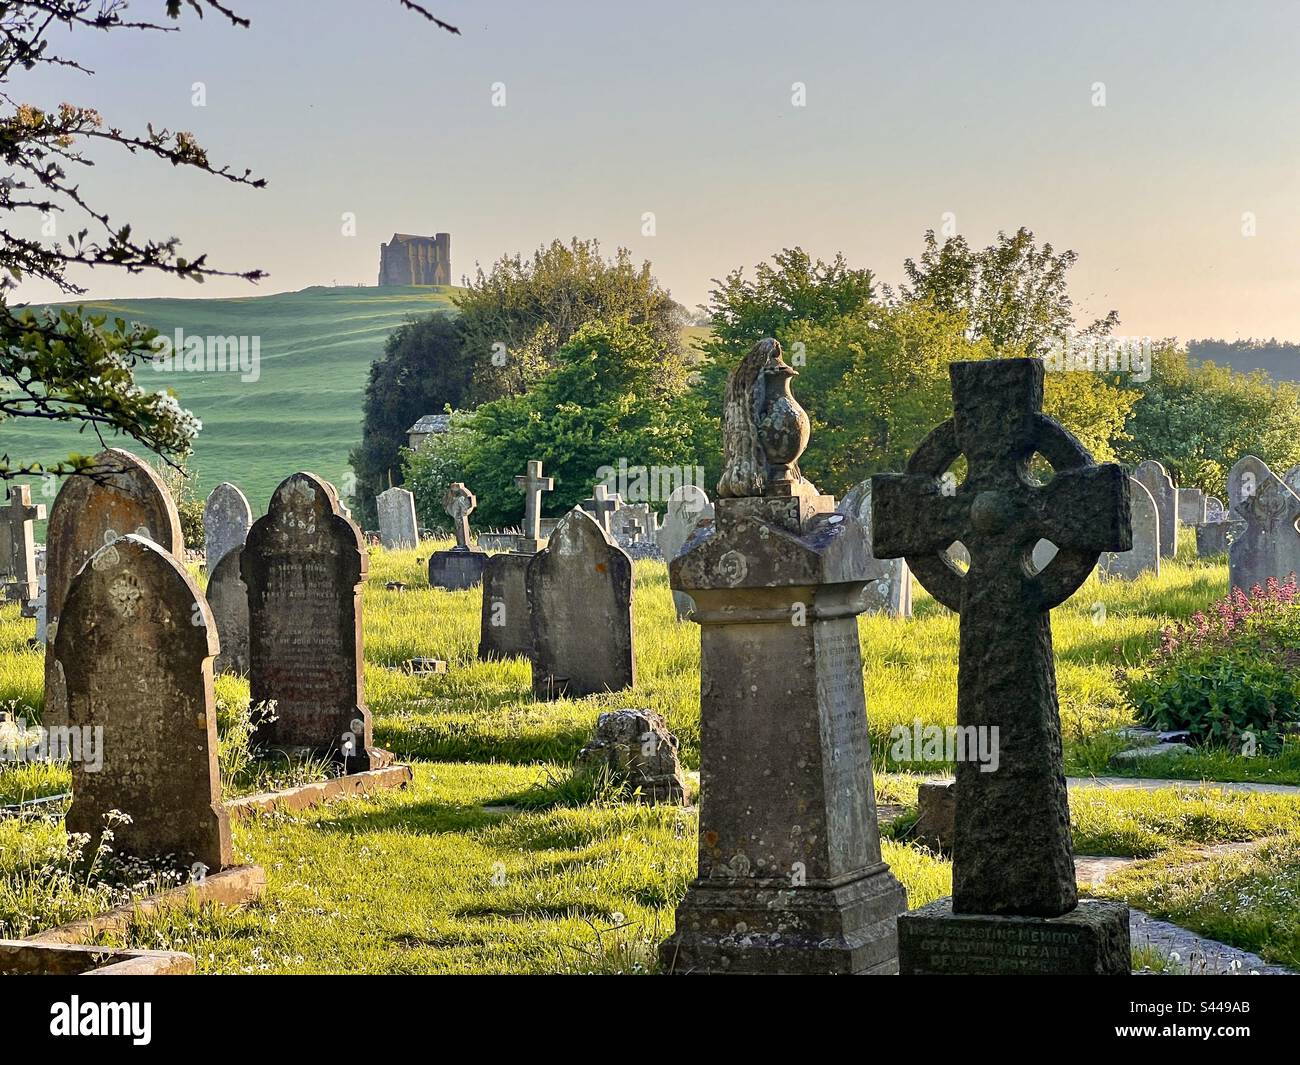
(17, 543)
(1012, 852)
(533, 485)
(459, 503)
(602, 505)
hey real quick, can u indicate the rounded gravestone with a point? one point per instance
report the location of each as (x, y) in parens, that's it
(228, 597)
(687, 506)
(227, 517)
(1156, 480)
(1144, 557)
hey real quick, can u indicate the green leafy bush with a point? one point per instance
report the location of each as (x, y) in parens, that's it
(1229, 676)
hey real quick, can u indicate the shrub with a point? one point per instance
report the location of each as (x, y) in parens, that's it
(1228, 672)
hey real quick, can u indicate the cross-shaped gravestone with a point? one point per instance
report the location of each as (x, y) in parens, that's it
(17, 544)
(1011, 852)
(602, 505)
(459, 503)
(533, 485)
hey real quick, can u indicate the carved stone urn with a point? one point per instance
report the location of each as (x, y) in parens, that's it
(783, 428)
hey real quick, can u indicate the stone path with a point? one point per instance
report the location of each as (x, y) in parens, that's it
(1196, 954)
(1154, 783)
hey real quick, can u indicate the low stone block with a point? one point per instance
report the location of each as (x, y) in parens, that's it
(457, 569)
(505, 630)
(636, 748)
(1090, 940)
(936, 822)
(21, 958)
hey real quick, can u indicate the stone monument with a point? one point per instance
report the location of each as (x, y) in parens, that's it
(462, 566)
(227, 517)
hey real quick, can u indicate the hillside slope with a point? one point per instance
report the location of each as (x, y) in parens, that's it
(304, 409)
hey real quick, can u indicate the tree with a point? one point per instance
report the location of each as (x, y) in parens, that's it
(1014, 292)
(517, 316)
(424, 370)
(605, 401)
(56, 364)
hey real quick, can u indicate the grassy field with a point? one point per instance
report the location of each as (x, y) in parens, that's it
(491, 862)
(303, 411)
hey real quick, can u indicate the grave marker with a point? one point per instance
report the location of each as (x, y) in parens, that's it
(227, 517)
(397, 525)
(891, 592)
(1268, 543)
(1155, 480)
(228, 597)
(602, 506)
(1144, 556)
(462, 566)
(19, 579)
(533, 484)
(504, 626)
(687, 505)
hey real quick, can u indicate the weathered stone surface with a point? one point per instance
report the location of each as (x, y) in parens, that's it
(505, 629)
(123, 495)
(1011, 852)
(891, 592)
(1153, 477)
(633, 524)
(1215, 510)
(533, 484)
(936, 820)
(135, 646)
(1292, 479)
(1092, 939)
(790, 876)
(687, 505)
(1215, 537)
(397, 525)
(228, 598)
(304, 564)
(227, 517)
(580, 606)
(1144, 556)
(19, 579)
(1191, 506)
(1269, 545)
(636, 748)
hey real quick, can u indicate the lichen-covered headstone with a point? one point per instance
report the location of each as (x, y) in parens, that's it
(1191, 506)
(687, 506)
(1013, 868)
(504, 626)
(304, 564)
(790, 877)
(119, 495)
(1157, 481)
(636, 750)
(228, 597)
(580, 606)
(397, 524)
(891, 592)
(1269, 543)
(1144, 556)
(227, 517)
(135, 643)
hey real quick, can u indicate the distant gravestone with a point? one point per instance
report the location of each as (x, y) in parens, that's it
(533, 484)
(504, 627)
(1269, 544)
(227, 517)
(1216, 537)
(1144, 556)
(580, 606)
(19, 579)
(602, 505)
(135, 643)
(687, 505)
(304, 565)
(1191, 506)
(634, 524)
(1013, 870)
(228, 597)
(1155, 480)
(119, 495)
(891, 592)
(462, 566)
(1215, 510)
(397, 525)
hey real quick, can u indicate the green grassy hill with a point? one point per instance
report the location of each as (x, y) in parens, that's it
(304, 410)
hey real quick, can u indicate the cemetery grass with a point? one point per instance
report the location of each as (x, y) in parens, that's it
(499, 859)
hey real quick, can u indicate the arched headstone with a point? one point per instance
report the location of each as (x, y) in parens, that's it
(228, 597)
(227, 517)
(1144, 557)
(1155, 480)
(687, 506)
(1269, 544)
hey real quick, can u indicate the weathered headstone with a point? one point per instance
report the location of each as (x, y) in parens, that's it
(1015, 906)
(1292, 479)
(580, 606)
(790, 876)
(891, 592)
(533, 484)
(227, 517)
(1155, 480)
(634, 524)
(1216, 537)
(304, 564)
(1215, 511)
(228, 597)
(119, 495)
(398, 528)
(18, 574)
(1144, 555)
(462, 566)
(1269, 544)
(135, 644)
(687, 505)
(635, 748)
(1191, 506)
(504, 626)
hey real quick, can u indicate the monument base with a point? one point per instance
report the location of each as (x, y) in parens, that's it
(771, 928)
(457, 569)
(1090, 940)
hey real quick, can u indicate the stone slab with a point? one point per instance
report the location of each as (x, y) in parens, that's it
(305, 796)
(504, 629)
(20, 957)
(457, 569)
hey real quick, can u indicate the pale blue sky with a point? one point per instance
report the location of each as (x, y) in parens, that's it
(684, 109)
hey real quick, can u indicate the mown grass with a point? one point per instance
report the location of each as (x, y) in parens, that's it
(497, 860)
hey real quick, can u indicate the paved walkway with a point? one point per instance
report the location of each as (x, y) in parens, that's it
(1153, 783)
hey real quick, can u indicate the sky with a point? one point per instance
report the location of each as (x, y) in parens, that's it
(1151, 138)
